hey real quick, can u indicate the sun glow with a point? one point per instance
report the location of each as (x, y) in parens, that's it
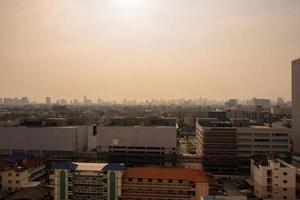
(131, 3)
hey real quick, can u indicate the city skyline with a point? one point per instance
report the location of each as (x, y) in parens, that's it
(148, 49)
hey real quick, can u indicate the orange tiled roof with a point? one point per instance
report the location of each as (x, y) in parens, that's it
(166, 173)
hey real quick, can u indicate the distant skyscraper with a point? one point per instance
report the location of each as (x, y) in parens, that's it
(296, 104)
(48, 100)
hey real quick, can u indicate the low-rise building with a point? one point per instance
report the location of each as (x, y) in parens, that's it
(87, 181)
(273, 178)
(20, 172)
(44, 140)
(138, 144)
(163, 183)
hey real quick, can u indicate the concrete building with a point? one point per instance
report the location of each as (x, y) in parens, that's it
(261, 140)
(39, 140)
(48, 100)
(18, 172)
(163, 183)
(227, 146)
(231, 103)
(88, 181)
(296, 104)
(261, 102)
(217, 146)
(273, 178)
(137, 144)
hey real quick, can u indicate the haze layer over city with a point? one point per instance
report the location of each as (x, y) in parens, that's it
(143, 49)
(149, 100)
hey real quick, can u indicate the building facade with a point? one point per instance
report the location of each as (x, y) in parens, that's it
(138, 144)
(41, 140)
(87, 181)
(163, 183)
(218, 148)
(227, 146)
(296, 104)
(273, 178)
(261, 140)
(22, 173)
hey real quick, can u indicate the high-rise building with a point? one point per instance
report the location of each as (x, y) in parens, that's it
(296, 104)
(48, 100)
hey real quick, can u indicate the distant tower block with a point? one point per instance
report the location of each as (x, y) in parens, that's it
(296, 104)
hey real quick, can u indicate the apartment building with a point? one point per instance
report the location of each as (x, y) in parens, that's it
(87, 181)
(141, 145)
(273, 178)
(19, 171)
(163, 183)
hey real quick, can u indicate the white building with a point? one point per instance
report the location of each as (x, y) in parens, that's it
(136, 137)
(138, 144)
(88, 181)
(296, 104)
(263, 140)
(273, 178)
(42, 139)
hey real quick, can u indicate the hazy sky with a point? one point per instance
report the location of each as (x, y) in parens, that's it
(137, 49)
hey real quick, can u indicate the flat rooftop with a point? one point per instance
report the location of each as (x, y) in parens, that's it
(166, 173)
(89, 166)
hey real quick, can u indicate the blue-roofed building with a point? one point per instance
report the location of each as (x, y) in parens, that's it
(17, 157)
(89, 180)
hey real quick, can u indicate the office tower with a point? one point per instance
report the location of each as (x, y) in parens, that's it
(48, 100)
(296, 104)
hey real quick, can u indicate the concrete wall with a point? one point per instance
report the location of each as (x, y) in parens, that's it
(43, 138)
(137, 136)
(296, 104)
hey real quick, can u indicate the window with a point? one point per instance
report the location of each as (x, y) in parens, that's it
(284, 173)
(180, 181)
(160, 180)
(150, 180)
(9, 174)
(170, 181)
(17, 174)
(9, 181)
(17, 182)
(130, 180)
(284, 189)
(284, 197)
(140, 180)
(285, 181)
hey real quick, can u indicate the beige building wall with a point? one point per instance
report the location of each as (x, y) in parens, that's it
(12, 180)
(296, 104)
(276, 181)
